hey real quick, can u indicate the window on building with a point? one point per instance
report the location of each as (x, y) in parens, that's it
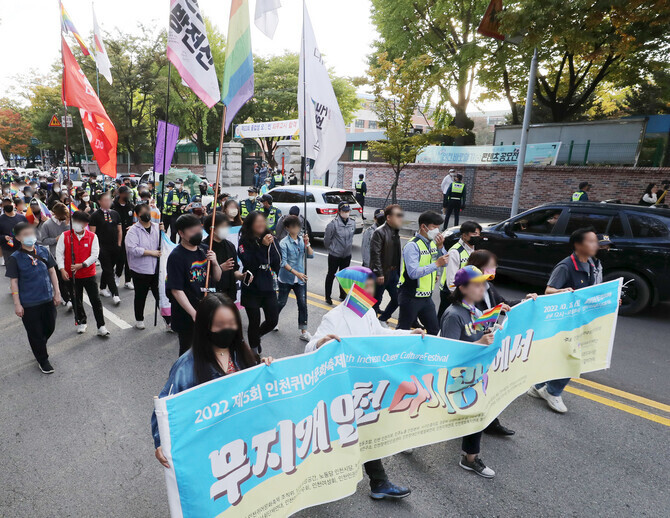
(372, 124)
(360, 123)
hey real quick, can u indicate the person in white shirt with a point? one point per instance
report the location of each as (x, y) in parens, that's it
(342, 322)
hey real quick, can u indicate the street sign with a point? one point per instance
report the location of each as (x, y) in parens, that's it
(282, 153)
(63, 120)
(55, 122)
(35, 141)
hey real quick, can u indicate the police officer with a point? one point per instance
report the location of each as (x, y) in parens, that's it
(361, 191)
(250, 204)
(183, 196)
(272, 214)
(455, 200)
(581, 194)
(418, 272)
(169, 208)
(277, 178)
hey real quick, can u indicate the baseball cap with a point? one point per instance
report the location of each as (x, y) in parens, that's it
(179, 180)
(170, 184)
(584, 184)
(252, 189)
(378, 212)
(294, 211)
(266, 197)
(223, 195)
(343, 206)
(469, 274)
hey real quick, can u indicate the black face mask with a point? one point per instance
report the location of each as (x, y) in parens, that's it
(195, 239)
(146, 217)
(222, 338)
(8, 208)
(475, 241)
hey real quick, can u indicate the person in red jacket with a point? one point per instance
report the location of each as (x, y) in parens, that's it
(84, 245)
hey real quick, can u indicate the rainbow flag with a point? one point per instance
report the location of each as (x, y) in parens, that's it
(13, 189)
(67, 25)
(45, 211)
(359, 301)
(489, 317)
(238, 73)
(73, 207)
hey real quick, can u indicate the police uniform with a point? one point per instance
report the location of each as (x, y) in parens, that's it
(170, 213)
(580, 196)
(415, 295)
(277, 179)
(445, 292)
(247, 206)
(361, 191)
(455, 198)
(272, 216)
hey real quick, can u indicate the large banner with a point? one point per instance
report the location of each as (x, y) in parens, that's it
(536, 154)
(288, 128)
(270, 441)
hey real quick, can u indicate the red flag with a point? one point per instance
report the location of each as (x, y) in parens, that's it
(100, 131)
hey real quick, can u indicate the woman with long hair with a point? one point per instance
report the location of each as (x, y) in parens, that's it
(649, 197)
(232, 210)
(218, 350)
(261, 261)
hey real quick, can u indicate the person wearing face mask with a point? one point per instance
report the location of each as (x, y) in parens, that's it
(183, 197)
(8, 220)
(267, 185)
(143, 247)
(261, 261)
(54, 196)
(48, 235)
(458, 254)
(218, 350)
(250, 204)
(292, 179)
(232, 211)
(454, 197)
(221, 201)
(126, 210)
(38, 219)
(186, 275)
(84, 202)
(226, 256)
(76, 253)
(32, 273)
(106, 224)
(418, 272)
(366, 238)
(272, 214)
(339, 240)
(145, 197)
(169, 209)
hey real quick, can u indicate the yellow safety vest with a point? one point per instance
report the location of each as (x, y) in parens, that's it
(168, 208)
(425, 284)
(456, 188)
(271, 218)
(279, 178)
(244, 210)
(359, 187)
(464, 256)
(577, 196)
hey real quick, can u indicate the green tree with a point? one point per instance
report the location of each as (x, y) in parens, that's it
(276, 95)
(400, 87)
(445, 31)
(650, 97)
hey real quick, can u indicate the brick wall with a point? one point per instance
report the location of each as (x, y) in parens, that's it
(490, 188)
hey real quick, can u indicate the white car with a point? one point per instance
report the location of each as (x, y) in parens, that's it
(321, 205)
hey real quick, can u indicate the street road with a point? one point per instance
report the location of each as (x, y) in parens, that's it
(78, 443)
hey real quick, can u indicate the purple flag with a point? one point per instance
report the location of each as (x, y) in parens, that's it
(172, 137)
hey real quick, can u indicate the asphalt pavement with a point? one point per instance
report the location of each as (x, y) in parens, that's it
(77, 443)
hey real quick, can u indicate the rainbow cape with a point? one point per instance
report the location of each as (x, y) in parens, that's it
(359, 301)
(489, 317)
(29, 213)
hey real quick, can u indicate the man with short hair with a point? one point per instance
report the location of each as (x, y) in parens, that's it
(361, 192)
(76, 253)
(106, 224)
(366, 238)
(339, 240)
(458, 255)
(250, 204)
(418, 272)
(280, 231)
(277, 178)
(455, 200)
(385, 254)
(186, 277)
(579, 270)
(272, 214)
(581, 194)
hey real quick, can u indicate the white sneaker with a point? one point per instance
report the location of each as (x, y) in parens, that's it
(554, 402)
(68, 305)
(383, 324)
(105, 293)
(102, 331)
(168, 329)
(276, 328)
(305, 337)
(129, 285)
(139, 324)
(532, 392)
(81, 328)
(117, 300)
(117, 280)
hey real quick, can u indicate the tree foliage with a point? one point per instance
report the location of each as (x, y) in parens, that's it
(14, 132)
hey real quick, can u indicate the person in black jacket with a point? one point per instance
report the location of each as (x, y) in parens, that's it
(385, 254)
(226, 256)
(261, 261)
(126, 210)
(487, 262)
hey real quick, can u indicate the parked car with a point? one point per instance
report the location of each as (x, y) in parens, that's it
(321, 205)
(530, 244)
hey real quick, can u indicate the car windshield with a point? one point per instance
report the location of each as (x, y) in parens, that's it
(335, 197)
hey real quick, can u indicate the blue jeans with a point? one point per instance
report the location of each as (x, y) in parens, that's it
(390, 285)
(300, 291)
(554, 387)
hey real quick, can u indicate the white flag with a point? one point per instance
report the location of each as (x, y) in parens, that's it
(266, 17)
(101, 57)
(2, 159)
(189, 51)
(324, 138)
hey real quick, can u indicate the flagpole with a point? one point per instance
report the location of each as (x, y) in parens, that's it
(216, 194)
(162, 207)
(303, 135)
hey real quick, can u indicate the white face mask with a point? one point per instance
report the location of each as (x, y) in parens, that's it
(432, 234)
(222, 232)
(56, 189)
(77, 227)
(86, 198)
(232, 212)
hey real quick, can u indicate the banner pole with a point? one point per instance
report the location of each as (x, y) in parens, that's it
(162, 204)
(303, 158)
(216, 195)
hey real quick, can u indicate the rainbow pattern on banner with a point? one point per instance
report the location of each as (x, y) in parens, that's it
(67, 25)
(489, 317)
(238, 73)
(359, 301)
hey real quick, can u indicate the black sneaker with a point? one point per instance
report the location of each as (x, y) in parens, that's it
(329, 301)
(46, 367)
(477, 466)
(390, 491)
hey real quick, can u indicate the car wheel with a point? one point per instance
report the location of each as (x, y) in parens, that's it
(636, 295)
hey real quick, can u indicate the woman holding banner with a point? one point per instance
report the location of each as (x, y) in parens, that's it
(218, 349)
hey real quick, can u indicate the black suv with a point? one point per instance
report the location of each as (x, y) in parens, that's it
(530, 244)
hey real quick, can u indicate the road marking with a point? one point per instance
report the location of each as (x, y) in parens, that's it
(114, 319)
(321, 297)
(622, 394)
(619, 406)
(326, 255)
